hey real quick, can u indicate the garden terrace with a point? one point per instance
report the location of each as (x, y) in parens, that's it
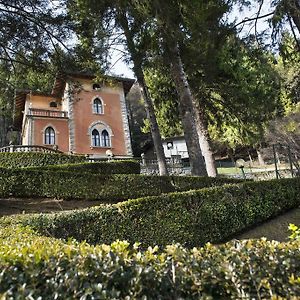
(191, 218)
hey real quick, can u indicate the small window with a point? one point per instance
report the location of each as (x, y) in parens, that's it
(49, 136)
(53, 104)
(95, 138)
(98, 106)
(105, 139)
(96, 86)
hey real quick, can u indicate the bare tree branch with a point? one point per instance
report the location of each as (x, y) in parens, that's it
(253, 19)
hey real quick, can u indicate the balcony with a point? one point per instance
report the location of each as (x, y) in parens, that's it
(29, 148)
(47, 113)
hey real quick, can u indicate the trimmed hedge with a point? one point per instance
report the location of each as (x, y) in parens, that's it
(190, 218)
(82, 185)
(104, 167)
(26, 159)
(34, 267)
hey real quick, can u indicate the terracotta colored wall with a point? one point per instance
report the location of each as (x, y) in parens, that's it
(84, 117)
(42, 102)
(61, 132)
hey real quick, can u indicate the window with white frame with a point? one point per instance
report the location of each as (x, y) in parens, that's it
(105, 138)
(49, 136)
(98, 106)
(100, 134)
(95, 138)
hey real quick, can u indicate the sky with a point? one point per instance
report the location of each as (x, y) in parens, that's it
(122, 69)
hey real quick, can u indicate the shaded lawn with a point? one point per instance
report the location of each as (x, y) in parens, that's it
(274, 229)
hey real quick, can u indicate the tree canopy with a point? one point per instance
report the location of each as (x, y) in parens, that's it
(236, 85)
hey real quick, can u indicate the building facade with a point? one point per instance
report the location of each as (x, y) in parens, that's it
(79, 116)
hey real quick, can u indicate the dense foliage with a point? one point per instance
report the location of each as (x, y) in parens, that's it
(37, 159)
(80, 184)
(36, 267)
(104, 167)
(191, 218)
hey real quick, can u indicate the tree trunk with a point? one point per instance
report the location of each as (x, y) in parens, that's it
(155, 133)
(260, 157)
(293, 7)
(204, 141)
(137, 67)
(186, 111)
(2, 126)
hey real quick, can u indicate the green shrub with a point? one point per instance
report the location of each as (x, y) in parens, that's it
(35, 267)
(104, 167)
(295, 235)
(82, 185)
(190, 218)
(25, 159)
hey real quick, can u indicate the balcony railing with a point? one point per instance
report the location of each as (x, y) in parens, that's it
(28, 148)
(47, 113)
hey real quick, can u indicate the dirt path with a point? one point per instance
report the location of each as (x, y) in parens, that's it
(13, 206)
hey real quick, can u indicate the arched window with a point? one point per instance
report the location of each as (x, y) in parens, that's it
(105, 139)
(49, 136)
(95, 138)
(96, 86)
(53, 104)
(98, 106)
(100, 134)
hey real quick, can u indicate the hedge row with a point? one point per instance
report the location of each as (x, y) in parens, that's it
(34, 267)
(104, 167)
(25, 159)
(82, 185)
(190, 218)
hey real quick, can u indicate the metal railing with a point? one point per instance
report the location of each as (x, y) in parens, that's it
(47, 113)
(28, 148)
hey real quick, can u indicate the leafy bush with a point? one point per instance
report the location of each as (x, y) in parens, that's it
(82, 185)
(191, 218)
(104, 167)
(25, 159)
(295, 232)
(35, 267)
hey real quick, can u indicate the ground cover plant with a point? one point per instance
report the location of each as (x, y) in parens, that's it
(191, 218)
(38, 267)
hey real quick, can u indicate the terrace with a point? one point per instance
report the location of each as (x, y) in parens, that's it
(47, 113)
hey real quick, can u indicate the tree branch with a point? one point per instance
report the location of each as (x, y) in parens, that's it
(253, 19)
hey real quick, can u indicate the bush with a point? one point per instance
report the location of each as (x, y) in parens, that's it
(104, 167)
(295, 235)
(82, 185)
(34, 267)
(26, 159)
(190, 218)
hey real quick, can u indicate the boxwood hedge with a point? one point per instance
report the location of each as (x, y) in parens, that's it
(35, 267)
(104, 167)
(81, 185)
(191, 218)
(25, 159)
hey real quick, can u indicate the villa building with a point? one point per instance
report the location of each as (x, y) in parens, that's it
(79, 116)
